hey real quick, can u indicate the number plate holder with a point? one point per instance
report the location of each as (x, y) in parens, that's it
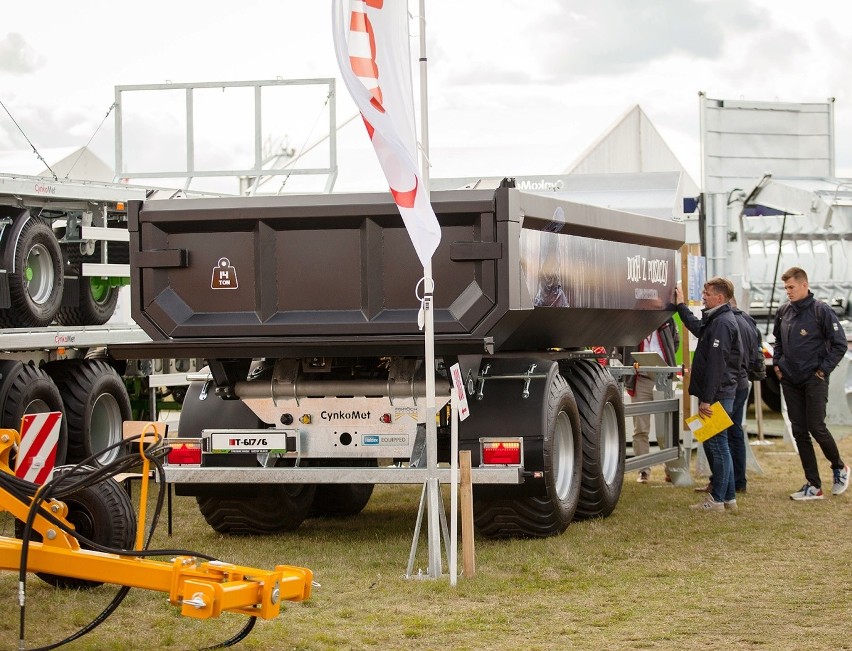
(252, 441)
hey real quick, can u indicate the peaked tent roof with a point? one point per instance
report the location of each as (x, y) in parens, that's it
(632, 144)
(76, 163)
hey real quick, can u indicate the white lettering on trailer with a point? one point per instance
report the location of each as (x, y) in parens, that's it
(540, 185)
(224, 275)
(654, 270)
(645, 294)
(332, 416)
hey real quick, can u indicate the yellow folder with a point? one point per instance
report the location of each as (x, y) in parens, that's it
(703, 427)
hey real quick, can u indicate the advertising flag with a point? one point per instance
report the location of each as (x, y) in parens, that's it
(371, 44)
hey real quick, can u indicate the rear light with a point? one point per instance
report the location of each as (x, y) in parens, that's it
(185, 453)
(502, 451)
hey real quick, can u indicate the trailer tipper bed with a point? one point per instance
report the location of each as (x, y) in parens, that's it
(305, 310)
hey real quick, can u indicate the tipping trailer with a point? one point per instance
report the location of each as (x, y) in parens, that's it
(63, 260)
(304, 308)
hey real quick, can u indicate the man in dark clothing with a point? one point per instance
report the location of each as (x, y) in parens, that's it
(809, 344)
(715, 372)
(737, 439)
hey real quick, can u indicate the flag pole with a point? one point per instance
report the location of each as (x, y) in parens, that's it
(434, 501)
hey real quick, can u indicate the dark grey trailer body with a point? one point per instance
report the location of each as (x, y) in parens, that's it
(305, 309)
(336, 274)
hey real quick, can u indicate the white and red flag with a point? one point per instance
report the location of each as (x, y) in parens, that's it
(371, 43)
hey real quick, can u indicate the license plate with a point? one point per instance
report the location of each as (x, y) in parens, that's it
(223, 442)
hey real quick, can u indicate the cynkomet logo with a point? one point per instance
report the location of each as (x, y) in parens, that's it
(344, 415)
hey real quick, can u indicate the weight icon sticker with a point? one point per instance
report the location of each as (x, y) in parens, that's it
(224, 275)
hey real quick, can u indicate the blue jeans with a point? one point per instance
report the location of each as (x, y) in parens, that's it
(721, 464)
(737, 438)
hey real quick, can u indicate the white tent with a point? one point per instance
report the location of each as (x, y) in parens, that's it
(632, 145)
(74, 163)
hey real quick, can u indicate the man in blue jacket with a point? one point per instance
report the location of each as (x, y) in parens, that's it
(809, 344)
(737, 437)
(715, 372)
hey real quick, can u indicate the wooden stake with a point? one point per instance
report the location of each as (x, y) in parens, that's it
(466, 503)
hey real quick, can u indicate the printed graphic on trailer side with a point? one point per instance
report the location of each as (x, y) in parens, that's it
(224, 275)
(384, 439)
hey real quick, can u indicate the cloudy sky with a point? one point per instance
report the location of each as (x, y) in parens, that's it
(515, 87)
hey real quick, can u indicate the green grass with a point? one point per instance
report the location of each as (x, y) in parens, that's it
(654, 575)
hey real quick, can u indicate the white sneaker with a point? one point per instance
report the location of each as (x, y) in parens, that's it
(731, 505)
(709, 504)
(807, 492)
(841, 481)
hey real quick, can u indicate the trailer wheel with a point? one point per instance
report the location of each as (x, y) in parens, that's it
(550, 514)
(96, 406)
(275, 508)
(35, 286)
(602, 422)
(197, 414)
(25, 389)
(178, 393)
(343, 500)
(241, 509)
(98, 297)
(102, 513)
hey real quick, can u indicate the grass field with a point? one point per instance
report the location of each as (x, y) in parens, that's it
(654, 575)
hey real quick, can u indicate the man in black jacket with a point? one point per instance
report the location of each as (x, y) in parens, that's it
(737, 438)
(715, 370)
(809, 344)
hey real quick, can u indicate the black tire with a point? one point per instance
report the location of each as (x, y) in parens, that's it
(197, 414)
(770, 392)
(551, 513)
(602, 422)
(241, 509)
(343, 500)
(101, 353)
(275, 508)
(97, 297)
(102, 513)
(25, 389)
(178, 393)
(35, 285)
(96, 406)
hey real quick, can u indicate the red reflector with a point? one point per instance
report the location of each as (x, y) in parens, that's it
(501, 453)
(185, 454)
(385, 418)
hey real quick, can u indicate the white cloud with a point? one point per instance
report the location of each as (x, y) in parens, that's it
(504, 77)
(16, 56)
